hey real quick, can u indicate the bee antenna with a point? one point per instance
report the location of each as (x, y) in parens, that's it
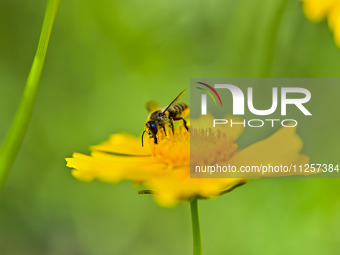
(143, 137)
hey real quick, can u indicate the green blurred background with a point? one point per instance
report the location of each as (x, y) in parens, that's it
(105, 60)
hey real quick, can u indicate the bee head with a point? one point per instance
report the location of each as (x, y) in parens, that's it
(152, 128)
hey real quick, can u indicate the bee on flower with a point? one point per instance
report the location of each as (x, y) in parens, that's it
(163, 168)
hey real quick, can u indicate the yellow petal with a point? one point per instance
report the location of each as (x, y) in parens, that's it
(316, 10)
(124, 144)
(334, 22)
(174, 185)
(112, 168)
(281, 148)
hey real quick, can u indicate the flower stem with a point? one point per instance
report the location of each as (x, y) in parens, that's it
(16, 133)
(196, 232)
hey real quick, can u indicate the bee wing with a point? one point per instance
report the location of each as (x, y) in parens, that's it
(175, 100)
(152, 106)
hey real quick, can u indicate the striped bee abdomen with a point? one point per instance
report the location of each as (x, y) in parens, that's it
(178, 110)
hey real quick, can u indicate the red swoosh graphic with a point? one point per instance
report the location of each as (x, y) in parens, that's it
(213, 90)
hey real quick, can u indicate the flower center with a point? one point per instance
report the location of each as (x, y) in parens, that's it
(207, 147)
(173, 149)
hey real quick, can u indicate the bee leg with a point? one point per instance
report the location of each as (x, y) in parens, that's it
(172, 126)
(184, 122)
(164, 130)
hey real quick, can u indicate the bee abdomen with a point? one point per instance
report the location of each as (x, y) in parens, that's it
(177, 110)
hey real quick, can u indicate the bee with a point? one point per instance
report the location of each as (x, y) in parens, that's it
(160, 118)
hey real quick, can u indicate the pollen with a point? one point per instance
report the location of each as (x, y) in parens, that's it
(207, 147)
(210, 146)
(172, 149)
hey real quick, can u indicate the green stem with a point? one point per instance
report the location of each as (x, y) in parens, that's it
(196, 232)
(16, 133)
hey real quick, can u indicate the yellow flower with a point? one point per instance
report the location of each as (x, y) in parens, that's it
(164, 168)
(316, 10)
